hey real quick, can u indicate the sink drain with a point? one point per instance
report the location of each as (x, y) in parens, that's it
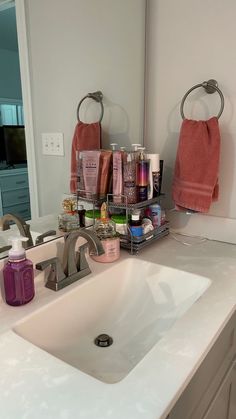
(103, 340)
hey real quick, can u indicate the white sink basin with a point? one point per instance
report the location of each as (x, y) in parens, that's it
(135, 302)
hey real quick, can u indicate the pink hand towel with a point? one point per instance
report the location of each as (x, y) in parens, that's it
(195, 183)
(86, 137)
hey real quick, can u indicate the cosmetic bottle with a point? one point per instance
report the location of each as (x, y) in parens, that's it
(136, 151)
(104, 228)
(130, 188)
(18, 275)
(81, 188)
(135, 225)
(81, 213)
(156, 215)
(117, 172)
(142, 176)
(154, 175)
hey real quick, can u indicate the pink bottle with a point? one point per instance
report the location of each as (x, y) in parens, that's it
(18, 275)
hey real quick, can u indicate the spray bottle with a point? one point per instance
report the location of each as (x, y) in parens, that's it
(142, 175)
(18, 275)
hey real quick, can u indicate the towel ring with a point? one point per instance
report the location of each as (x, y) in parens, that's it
(210, 86)
(97, 96)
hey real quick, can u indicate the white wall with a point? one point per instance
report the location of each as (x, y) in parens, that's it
(79, 46)
(188, 42)
(10, 83)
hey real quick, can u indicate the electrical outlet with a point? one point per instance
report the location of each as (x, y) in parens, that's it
(53, 144)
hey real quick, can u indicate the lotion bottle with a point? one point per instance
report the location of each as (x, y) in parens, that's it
(117, 170)
(18, 275)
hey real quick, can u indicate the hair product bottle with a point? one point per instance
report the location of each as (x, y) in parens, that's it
(18, 275)
(154, 175)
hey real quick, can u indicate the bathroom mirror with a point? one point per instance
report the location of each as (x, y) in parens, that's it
(66, 50)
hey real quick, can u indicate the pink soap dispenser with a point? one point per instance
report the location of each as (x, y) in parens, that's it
(18, 275)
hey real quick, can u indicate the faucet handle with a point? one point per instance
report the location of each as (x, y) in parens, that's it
(39, 239)
(56, 274)
(4, 249)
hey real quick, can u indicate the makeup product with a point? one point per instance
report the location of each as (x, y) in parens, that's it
(142, 176)
(154, 175)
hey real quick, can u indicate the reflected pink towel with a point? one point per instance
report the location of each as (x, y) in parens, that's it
(86, 137)
(195, 183)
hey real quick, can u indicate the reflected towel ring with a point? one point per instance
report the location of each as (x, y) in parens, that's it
(97, 96)
(210, 86)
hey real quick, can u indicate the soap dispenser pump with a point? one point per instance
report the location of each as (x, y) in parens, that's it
(18, 275)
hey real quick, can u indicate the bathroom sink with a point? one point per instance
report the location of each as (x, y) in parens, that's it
(134, 302)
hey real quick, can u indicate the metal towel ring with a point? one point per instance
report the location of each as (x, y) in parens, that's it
(210, 86)
(97, 96)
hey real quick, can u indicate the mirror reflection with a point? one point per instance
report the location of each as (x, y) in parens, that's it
(92, 52)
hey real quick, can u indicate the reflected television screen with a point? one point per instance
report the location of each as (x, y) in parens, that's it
(15, 146)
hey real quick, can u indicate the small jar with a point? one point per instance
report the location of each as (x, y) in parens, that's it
(68, 222)
(105, 230)
(121, 223)
(90, 217)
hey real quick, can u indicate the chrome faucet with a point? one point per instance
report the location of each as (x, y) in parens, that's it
(23, 227)
(74, 265)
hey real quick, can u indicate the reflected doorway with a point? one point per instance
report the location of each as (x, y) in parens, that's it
(14, 187)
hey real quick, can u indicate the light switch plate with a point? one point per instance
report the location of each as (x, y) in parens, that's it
(53, 144)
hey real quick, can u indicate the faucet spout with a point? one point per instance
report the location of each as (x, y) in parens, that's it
(23, 227)
(71, 259)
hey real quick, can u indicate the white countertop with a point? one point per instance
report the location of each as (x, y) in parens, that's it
(36, 385)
